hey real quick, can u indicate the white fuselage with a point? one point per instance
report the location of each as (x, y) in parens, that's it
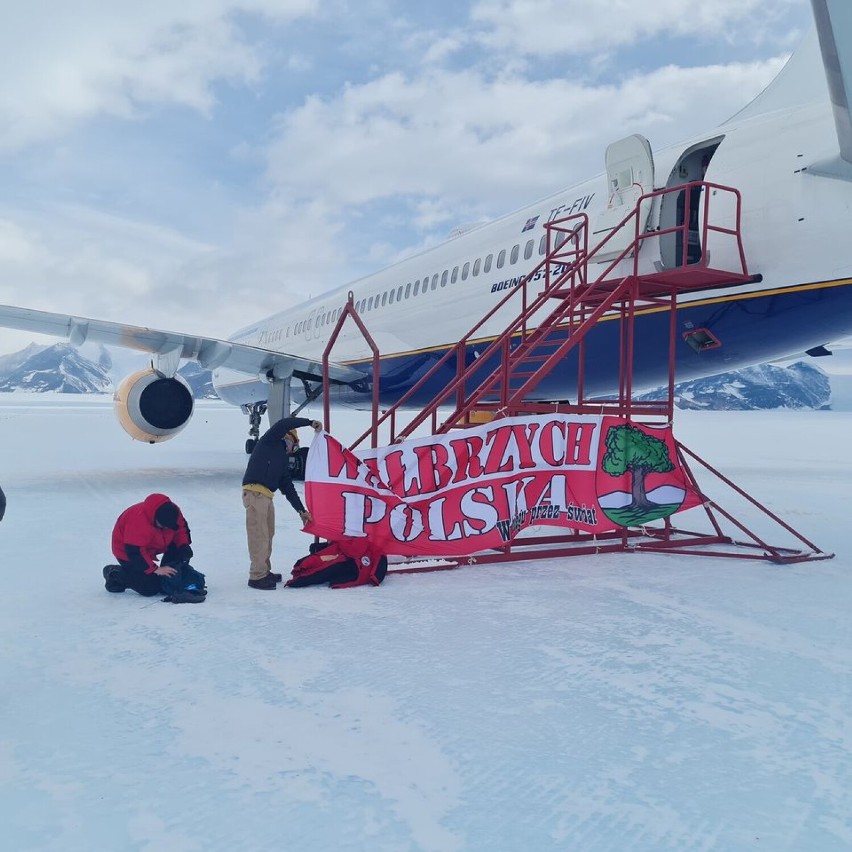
(794, 227)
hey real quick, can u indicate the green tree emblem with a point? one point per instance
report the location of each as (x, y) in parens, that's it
(630, 450)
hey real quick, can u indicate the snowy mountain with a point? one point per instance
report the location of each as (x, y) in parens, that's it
(766, 386)
(64, 368)
(10, 363)
(55, 368)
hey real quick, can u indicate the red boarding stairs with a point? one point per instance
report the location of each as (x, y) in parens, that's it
(550, 314)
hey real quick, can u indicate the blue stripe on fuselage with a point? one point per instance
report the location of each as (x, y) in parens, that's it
(752, 328)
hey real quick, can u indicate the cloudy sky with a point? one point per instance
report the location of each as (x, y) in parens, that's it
(196, 165)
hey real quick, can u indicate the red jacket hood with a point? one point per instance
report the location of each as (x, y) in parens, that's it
(153, 502)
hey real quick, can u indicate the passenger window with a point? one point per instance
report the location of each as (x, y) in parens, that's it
(399, 293)
(455, 276)
(560, 238)
(513, 258)
(416, 286)
(444, 278)
(465, 271)
(384, 298)
(542, 245)
(476, 264)
(408, 290)
(528, 249)
(370, 304)
(501, 258)
(487, 267)
(390, 300)
(435, 281)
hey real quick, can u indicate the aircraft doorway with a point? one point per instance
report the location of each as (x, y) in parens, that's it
(692, 166)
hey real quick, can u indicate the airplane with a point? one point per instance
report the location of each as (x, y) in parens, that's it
(789, 155)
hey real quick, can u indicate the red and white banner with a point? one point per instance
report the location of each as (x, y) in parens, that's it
(472, 490)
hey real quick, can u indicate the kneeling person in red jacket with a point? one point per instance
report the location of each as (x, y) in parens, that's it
(144, 531)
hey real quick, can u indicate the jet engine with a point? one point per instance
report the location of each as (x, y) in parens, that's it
(151, 407)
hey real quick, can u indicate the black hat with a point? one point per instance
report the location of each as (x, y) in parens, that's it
(167, 516)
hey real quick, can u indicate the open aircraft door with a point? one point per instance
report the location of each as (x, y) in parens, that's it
(675, 208)
(630, 174)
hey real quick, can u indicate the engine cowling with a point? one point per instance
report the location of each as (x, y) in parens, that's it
(151, 407)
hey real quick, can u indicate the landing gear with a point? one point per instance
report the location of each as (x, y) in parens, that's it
(255, 411)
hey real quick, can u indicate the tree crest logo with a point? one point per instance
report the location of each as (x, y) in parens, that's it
(632, 453)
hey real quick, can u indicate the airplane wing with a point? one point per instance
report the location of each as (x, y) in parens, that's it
(209, 352)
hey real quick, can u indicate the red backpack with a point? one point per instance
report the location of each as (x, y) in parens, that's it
(344, 563)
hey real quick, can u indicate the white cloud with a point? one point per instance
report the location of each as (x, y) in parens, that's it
(458, 136)
(76, 261)
(356, 174)
(16, 246)
(279, 255)
(61, 63)
(550, 27)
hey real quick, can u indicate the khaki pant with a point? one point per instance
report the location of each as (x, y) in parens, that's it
(260, 528)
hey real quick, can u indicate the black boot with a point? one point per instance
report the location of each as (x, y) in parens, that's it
(113, 578)
(187, 596)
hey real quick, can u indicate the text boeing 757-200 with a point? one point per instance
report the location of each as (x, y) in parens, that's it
(789, 156)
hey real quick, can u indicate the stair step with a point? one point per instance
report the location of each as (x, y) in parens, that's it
(535, 359)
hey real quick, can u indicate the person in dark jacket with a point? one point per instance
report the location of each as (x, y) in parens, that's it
(268, 471)
(142, 532)
(2, 504)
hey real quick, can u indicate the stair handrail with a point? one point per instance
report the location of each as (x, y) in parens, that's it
(554, 257)
(547, 326)
(577, 294)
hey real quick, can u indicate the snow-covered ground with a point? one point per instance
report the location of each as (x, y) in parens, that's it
(839, 369)
(619, 703)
